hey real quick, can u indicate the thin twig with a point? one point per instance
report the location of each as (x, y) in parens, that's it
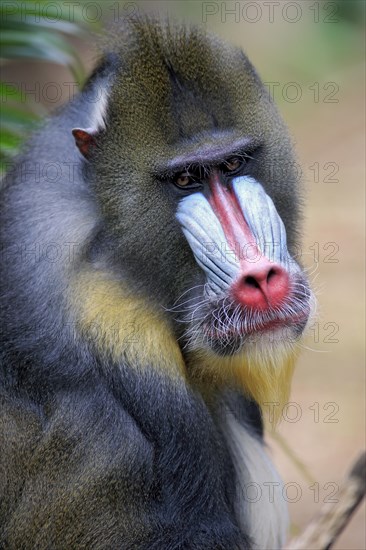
(324, 529)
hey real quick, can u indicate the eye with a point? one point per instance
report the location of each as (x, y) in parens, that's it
(186, 180)
(183, 179)
(233, 164)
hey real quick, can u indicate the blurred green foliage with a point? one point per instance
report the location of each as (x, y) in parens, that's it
(352, 11)
(27, 31)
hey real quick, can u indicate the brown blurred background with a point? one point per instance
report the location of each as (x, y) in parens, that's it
(311, 55)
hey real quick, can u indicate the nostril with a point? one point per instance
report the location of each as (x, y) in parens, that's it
(262, 286)
(271, 273)
(251, 281)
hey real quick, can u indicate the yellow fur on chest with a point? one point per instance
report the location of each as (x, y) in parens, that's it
(124, 326)
(264, 374)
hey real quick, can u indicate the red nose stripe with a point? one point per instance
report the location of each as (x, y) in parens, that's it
(261, 284)
(227, 209)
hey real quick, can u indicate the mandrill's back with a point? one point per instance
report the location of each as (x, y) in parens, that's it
(135, 357)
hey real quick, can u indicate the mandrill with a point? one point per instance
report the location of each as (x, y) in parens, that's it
(151, 305)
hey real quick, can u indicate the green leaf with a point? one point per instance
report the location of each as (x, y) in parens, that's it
(12, 23)
(14, 117)
(9, 92)
(46, 12)
(41, 45)
(8, 140)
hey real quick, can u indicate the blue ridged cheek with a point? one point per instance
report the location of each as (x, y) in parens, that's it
(207, 240)
(263, 219)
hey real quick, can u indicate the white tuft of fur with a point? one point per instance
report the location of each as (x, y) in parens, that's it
(98, 114)
(260, 506)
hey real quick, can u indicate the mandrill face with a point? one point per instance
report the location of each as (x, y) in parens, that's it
(254, 291)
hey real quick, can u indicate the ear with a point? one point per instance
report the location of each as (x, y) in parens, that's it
(85, 140)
